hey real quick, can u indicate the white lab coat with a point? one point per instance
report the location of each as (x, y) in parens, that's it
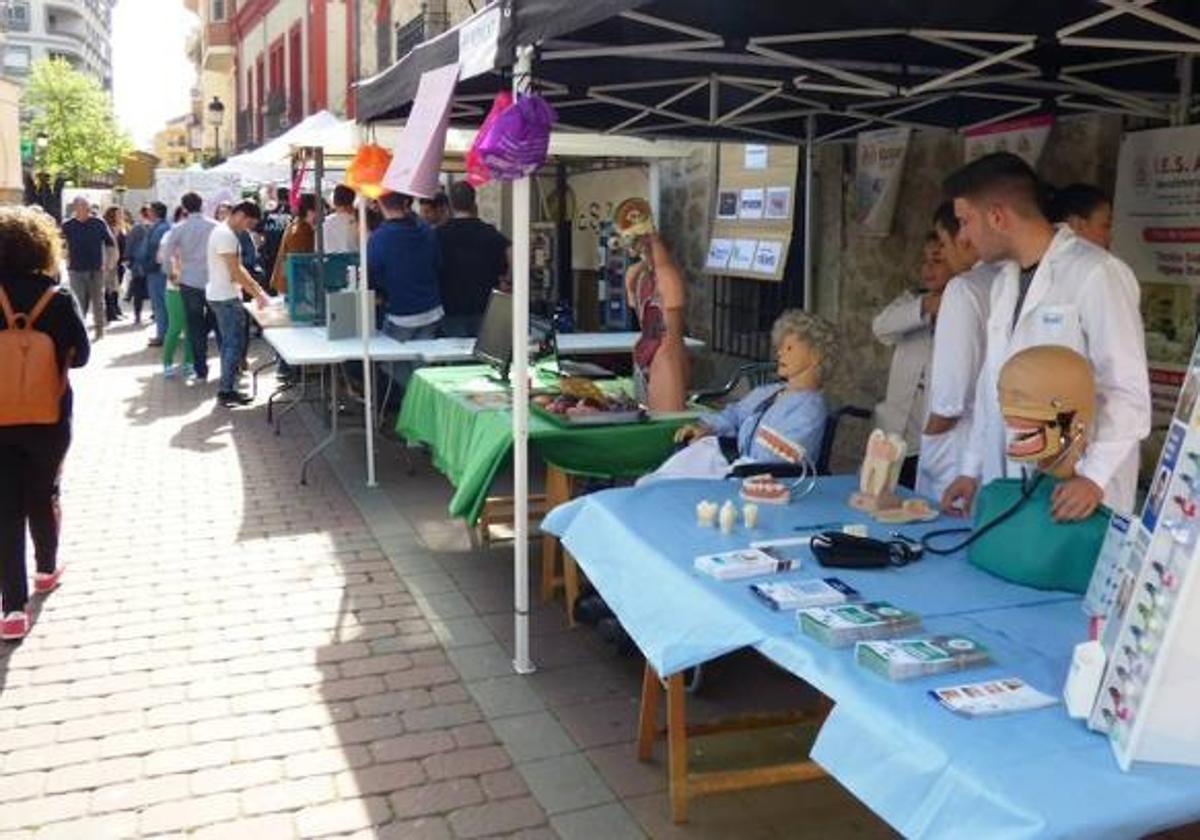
(959, 346)
(1084, 298)
(903, 326)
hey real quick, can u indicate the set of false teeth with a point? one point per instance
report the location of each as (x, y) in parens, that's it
(709, 514)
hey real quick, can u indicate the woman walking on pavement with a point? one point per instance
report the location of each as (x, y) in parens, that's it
(113, 268)
(42, 334)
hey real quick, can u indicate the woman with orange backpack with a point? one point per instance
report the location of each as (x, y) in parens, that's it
(42, 334)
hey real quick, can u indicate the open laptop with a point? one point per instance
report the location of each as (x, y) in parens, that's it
(494, 343)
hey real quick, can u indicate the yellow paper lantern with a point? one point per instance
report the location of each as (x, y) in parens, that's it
(365, 173)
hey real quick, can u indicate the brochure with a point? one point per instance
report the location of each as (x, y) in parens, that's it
(905, 659)
(798, 594)
(994, 697)
(745, 562)
(842, 625)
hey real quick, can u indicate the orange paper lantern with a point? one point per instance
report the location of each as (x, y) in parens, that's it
(365, 173)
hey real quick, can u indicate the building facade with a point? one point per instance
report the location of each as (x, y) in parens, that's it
(78, 31)
(175, 145)
(211, 49)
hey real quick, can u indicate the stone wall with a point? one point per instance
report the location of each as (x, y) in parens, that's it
(685, 216)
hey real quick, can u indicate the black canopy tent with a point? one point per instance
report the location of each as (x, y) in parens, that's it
(793, 71)
(717, 70)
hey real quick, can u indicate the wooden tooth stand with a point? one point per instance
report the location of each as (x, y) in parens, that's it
(684, 785)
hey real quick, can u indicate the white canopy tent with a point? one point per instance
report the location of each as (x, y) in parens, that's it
(269, 162)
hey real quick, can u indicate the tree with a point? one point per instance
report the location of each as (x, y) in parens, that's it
(76, 115)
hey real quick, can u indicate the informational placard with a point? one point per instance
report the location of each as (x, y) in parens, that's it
(1157, 231)
(1025, 138)
(754, 205)
(750, 204)
(742, 256)
(417, 159)
(597, 196)
(478, 38)
(719, 252)
(880, 156)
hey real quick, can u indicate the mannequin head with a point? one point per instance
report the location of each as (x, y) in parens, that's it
(633, 222)
(1048, 400)
(805, 349)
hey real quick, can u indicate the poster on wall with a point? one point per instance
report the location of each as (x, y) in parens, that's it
(880, 157)
(1156, 229)
(727, 204)
(751, 205)
(742, 257)
(597, 195)
(1025, 137)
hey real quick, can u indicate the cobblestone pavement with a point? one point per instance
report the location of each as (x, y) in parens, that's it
(230, 655)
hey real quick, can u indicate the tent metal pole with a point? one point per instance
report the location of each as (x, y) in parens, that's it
(522, 664)
(1183, 114)
(810, 130)
(366, 320)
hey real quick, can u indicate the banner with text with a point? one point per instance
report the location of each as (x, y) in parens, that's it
(1157, 231)
(880, 156)
(1024, 137)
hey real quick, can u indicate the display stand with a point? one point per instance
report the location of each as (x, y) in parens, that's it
(1147, 698)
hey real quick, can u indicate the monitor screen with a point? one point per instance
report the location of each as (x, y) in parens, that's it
(494, 344)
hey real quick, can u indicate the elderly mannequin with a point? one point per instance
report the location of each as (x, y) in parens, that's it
(655, 290)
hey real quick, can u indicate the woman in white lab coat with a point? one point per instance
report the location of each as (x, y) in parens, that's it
(1076, 295)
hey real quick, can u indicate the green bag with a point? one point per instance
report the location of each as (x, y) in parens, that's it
(1029, 547)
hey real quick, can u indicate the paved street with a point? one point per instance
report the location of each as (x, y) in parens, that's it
(230, 655)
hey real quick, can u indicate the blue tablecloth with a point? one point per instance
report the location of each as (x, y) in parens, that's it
(927, 771)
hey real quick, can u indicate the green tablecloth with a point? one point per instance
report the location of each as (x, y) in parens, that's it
(466, 421)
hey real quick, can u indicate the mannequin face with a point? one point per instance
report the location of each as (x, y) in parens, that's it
(1096, 227)
(795, 357)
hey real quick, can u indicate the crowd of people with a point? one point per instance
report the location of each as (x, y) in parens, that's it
(432, 271)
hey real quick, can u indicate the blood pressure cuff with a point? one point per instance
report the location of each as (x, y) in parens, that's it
(1028, 547)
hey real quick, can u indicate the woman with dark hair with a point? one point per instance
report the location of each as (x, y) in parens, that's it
(1085, 209)
(113, 264)
(33, 443)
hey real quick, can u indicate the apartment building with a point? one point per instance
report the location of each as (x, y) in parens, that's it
(78, 31)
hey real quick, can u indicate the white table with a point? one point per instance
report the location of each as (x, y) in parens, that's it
(441, 351)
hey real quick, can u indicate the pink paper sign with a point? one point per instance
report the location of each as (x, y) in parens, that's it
(420, 146)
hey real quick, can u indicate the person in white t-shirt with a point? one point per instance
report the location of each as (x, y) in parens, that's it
(227, 278)
(340, 228)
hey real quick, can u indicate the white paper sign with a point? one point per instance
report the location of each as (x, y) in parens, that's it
(877, 183)
(1025, 138)
(719, 251)
(767, 256)
(742, 258)
(779, 202)
(751, 205)
(477, 41)
(756, 156)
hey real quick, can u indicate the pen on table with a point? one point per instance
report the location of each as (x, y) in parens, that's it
(820, 526)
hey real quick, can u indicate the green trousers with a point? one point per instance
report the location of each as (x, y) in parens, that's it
(176, 327)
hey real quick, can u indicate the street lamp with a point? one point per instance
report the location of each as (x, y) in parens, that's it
(216, 115)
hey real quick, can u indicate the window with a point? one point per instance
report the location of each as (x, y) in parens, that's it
(17, 60)
(216, 11)
(16, 16)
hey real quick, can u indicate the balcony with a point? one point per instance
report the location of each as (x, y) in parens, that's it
(409, 35)
(244, 129)
(217, 47)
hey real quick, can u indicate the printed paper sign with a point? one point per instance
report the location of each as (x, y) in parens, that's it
(880, 157)
(751, 206)
(477, 40)
(421, 145)
(742, 258)
(727, 204)
(1025, 138)
(767, 257)
(719, 251)
(779, 202)
(756, 156)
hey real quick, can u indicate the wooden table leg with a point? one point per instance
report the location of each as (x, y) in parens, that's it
(677, 747)
(648, 714)
(558, 491)
(570, 585)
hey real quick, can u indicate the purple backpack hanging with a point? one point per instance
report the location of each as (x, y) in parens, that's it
(516, 143)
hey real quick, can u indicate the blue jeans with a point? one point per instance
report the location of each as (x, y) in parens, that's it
(232, 328)
(156, 284)
(401, 371)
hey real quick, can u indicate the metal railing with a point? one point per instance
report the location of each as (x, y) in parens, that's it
(410, 34)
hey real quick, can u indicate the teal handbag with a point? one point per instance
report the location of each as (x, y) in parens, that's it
(1027, 546)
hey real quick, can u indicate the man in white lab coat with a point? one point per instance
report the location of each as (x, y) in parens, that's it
(959, 344)
(906, 325)
(1053, 288)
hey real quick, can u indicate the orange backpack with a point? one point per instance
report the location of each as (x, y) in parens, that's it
(31, 385)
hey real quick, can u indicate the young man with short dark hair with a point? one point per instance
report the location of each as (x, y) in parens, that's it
(475, 260)
(403, 265)
(227, 279)
(1056, 288)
